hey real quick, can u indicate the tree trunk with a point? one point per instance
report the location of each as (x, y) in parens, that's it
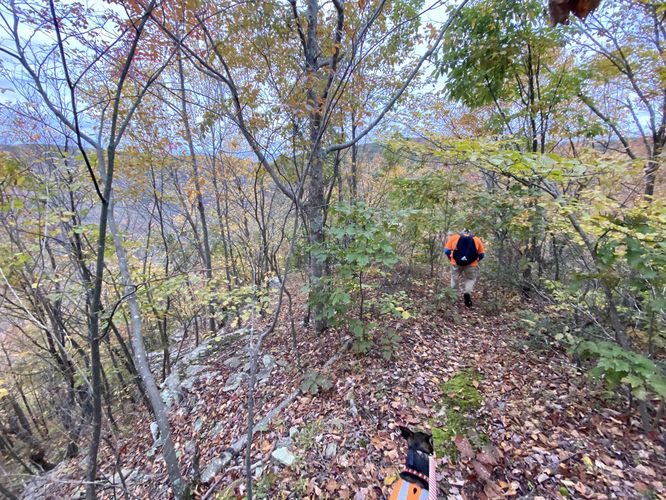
(162, 322)
(353, 180)
(315, 211)
(223, 232)
(651, 171)
(7, 493)
(197, 186)
(159, 410)
(36, 454)
(315, 206)
(22, 393)
(93, 336)
(128, 361)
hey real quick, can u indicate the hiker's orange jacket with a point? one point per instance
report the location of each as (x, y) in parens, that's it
(453, 242)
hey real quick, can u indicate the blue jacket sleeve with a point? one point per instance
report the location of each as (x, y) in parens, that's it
(447, 252)
(481, 256)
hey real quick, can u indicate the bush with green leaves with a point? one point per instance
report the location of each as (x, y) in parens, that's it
(429, 204)
(632, 251)
(617, 366)
(620, 366)
(314, 382)
(358, 247)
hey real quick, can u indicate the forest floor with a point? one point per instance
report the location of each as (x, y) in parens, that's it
(517, 418)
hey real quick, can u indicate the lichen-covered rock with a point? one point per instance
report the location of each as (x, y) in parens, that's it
(172, 389)
(284, 456)
(194, 370)
(233, 382)
(155, 430)
(233, 362)
(211, 469)
(331, 450)
(269, 361)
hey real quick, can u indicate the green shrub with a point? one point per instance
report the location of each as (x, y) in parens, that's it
(616, 366)
(359, 246)
(314, 383)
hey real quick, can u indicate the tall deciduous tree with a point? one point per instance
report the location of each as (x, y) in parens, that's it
(196, 177)
(503, 53)
(622, 53)
(76, 51)
(287, 70)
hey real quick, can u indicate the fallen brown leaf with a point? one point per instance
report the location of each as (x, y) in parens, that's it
(486, 458)
(464, 447)
(481, 471)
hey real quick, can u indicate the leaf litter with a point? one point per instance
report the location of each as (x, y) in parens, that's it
(540, 430)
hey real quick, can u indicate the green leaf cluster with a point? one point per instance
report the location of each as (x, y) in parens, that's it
(486, 48)
(616, 366)
(314, 383)
(359, 245)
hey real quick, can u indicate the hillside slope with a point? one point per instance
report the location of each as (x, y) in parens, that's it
(514, 415)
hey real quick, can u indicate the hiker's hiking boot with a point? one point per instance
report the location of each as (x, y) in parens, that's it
(468, 300)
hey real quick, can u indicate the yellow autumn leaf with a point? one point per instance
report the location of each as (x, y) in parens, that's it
(389, 480)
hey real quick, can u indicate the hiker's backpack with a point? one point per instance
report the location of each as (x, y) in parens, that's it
(465, 252)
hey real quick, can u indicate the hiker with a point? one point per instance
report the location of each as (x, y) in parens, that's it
(465, 251)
